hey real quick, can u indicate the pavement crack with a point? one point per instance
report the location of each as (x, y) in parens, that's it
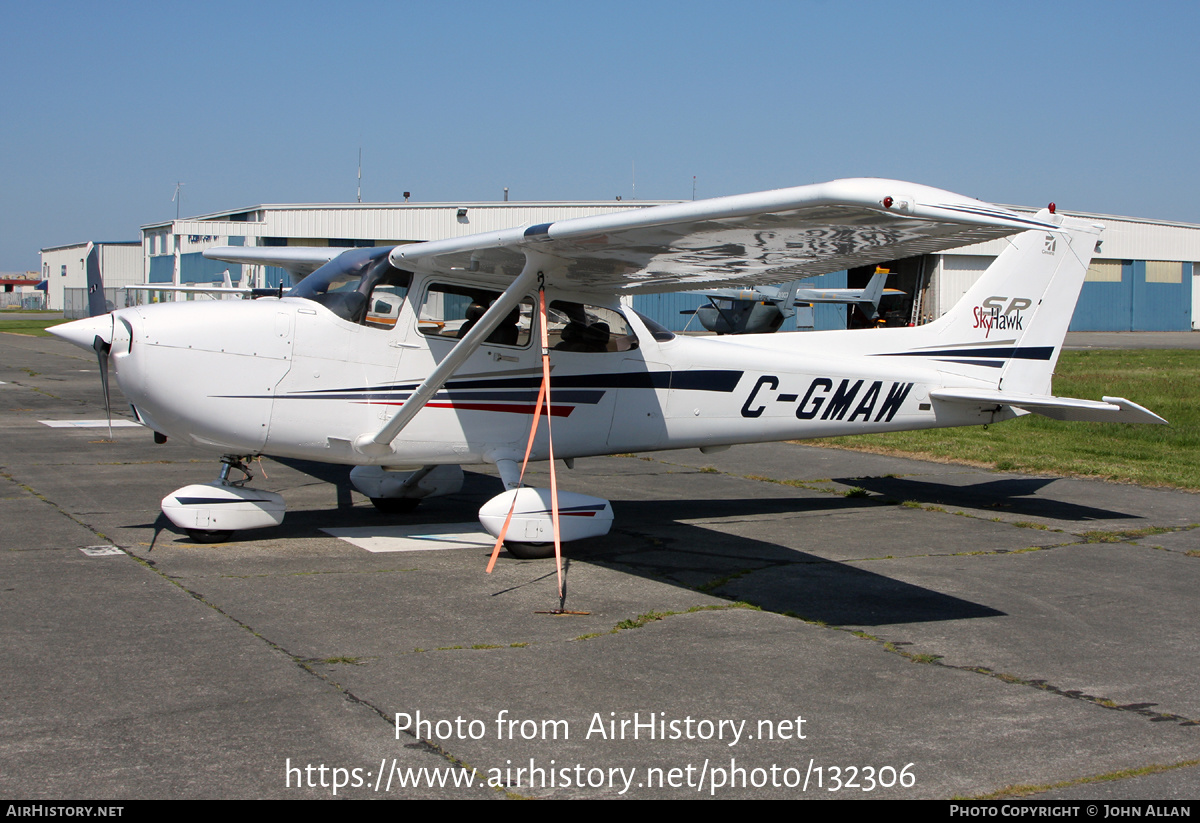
(38, 495)
(1131, 535)
(1027, 790)
(307, 665)
(1144, 709)
(650, 617)
(896, 647)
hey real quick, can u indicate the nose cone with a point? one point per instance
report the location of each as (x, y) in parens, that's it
(83, 333)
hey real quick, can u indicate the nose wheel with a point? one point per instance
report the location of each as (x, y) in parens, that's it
(212, 512)
(529, 551)
(210, 535)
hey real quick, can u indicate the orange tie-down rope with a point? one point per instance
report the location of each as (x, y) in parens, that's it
(543, 395)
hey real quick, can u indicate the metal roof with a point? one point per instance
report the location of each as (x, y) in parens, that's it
(606, 205)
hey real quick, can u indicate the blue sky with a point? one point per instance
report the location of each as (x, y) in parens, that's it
(105, 106)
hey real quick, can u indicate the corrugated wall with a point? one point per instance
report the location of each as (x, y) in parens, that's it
(395, 222)
(196, 268)
(162, 269)
(1125, 238)
(1163, 303)
(1135, 304)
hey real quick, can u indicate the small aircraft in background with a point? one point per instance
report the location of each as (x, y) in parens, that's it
(763, 310)
(408, 363)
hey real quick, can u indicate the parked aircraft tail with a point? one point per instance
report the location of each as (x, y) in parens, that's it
(873, 295)
(1008, 329)
(786, 301)
(97, 305)
(1005, 335)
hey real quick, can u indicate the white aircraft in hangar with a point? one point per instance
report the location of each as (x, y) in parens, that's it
(411, 362)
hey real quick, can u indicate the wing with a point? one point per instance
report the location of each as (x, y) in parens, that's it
(748, 239)
(299, 260)
(192, 289)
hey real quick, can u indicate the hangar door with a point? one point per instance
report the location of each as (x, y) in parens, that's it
(1135, 295)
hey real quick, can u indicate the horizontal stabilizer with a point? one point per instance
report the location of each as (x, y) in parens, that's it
(1111, 410)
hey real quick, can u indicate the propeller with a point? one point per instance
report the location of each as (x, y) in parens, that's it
(102, 347)
(95, 333)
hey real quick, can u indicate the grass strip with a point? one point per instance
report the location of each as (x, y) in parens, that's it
(1166, 381)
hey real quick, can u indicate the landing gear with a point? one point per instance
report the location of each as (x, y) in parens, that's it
(530, 534)
(211, 512)
(209, 535)
(529, 551)
(399, 490)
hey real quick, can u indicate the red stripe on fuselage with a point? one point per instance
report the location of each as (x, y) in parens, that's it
(524, 408)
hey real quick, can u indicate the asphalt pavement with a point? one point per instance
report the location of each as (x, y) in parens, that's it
(774, 621)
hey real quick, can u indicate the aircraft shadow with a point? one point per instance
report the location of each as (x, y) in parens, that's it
(1015, 495)
(652, 540)
(775, 578)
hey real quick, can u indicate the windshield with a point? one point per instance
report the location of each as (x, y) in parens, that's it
(359, 285)
(347, 267)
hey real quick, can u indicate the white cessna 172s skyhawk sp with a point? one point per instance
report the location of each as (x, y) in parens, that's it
(410, 362)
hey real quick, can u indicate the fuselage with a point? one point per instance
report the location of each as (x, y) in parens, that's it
(290, 377)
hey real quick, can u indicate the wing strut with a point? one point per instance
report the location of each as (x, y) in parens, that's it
(379, 444)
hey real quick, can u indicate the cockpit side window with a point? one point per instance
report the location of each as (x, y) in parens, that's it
(451, 311)
(386, 296)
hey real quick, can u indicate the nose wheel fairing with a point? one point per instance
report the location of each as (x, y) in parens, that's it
(213, 511)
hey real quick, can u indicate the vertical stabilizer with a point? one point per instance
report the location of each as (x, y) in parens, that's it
(1013, 320)
(786, 300)
(97, 305)
(872, 295)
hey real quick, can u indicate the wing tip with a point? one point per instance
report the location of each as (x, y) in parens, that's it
(1144, 414)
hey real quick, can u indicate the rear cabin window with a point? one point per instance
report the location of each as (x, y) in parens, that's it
(578, 327)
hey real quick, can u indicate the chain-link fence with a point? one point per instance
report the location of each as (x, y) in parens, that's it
(23, 300)
(75, 301)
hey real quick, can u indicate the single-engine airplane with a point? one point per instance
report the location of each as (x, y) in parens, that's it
(409, 362)
(763, 310)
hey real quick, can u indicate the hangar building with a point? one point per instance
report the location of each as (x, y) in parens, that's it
(172, 249)
(1145, 277)
(65, 273)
